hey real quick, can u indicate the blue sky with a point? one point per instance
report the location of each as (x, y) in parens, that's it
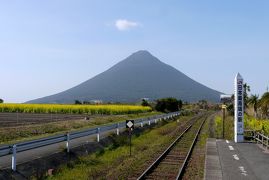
(49, 46)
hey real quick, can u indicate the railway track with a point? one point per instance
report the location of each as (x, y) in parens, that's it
(173, 161)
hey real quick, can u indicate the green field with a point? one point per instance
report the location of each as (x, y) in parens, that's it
(74, 109)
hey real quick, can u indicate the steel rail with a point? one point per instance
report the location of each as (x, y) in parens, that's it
(185, 163)
(166, 151)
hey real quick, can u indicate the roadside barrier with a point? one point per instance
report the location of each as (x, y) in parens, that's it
(28, 145)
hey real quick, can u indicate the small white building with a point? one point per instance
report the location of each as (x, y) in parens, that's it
(225, 98)
(96, 101)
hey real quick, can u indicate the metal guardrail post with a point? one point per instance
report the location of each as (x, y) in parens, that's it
(118, 130)
(98, 134)
(261, 138)
(149, 122)
(67, 142)
(155, 121)
(14, 159)
(141, 124)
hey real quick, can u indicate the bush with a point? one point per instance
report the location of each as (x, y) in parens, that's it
(77, 102)
(1, 100)
(168, 105)
(145, 103)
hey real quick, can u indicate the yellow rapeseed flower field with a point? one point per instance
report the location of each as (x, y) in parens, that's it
(73, 109)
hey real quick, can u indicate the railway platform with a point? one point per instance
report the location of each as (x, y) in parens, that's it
(234, 161)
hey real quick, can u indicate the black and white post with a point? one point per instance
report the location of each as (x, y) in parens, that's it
(239, 109)
(130, 126)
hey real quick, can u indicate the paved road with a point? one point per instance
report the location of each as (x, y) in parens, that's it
(26, 156)
(243, 161)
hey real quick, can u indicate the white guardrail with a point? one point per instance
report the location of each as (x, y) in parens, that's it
(27, 145)
(260, 138)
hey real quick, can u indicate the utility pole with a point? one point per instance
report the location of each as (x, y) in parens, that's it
(223, 119)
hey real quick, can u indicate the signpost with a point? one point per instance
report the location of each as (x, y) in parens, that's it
(239, 109)
(130, 126)
(223, 118)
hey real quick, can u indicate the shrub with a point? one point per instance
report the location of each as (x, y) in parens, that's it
(168, 105)
(145, 103)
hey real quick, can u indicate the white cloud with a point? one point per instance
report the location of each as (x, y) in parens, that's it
(123, 24)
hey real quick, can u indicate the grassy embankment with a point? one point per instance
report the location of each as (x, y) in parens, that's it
(114, 161)
(21, 133)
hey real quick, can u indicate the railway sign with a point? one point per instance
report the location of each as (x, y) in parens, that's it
(239, 109)
(130, 124)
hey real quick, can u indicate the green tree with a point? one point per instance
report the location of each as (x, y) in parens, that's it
(168, 105)
(1, 100)
(246, 91)
(145, 103)
(180, 104)
(264, 104)
(253, 100)
(77, 102)
(203, 104)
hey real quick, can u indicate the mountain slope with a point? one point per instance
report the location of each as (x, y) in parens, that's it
(140, 75)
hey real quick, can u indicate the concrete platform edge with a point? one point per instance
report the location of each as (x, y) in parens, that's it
(212, 168)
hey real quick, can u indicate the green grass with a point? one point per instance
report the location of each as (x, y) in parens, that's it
(218, 127)
(114, 162)
(29, 132)
(257, 124)
(228, 127)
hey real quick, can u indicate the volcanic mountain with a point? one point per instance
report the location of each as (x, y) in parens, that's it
(140, 75)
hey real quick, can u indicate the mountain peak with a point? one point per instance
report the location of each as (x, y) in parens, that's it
(142, 52)
(141, 57)
(139, 75)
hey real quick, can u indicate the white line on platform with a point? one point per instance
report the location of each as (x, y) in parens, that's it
(231, 148)
(227, 142)
(243, 171)
(236, 157)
